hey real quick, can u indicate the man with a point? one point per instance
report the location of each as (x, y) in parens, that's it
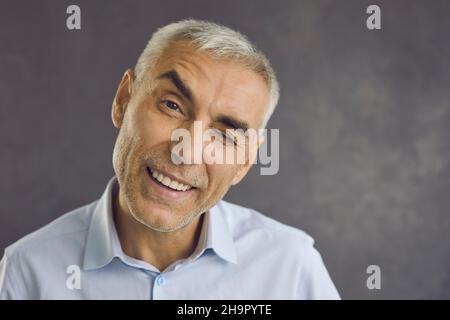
(161, 230)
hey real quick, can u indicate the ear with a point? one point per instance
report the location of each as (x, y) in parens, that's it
(243, 170)
(122, 98)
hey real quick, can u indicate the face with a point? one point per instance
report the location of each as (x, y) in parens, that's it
(184, 86)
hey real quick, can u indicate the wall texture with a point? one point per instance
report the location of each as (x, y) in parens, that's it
(364, 123)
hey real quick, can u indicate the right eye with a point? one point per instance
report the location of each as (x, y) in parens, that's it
(171, 105)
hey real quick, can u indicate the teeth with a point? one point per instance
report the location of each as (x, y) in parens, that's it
(166, 181)
(172, 184)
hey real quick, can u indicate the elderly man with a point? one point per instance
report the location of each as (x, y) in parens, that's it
(160, 230)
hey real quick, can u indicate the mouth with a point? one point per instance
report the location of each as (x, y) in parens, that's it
(168, 185)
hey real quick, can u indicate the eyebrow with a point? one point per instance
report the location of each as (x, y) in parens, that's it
(175, 78)
(232, 122)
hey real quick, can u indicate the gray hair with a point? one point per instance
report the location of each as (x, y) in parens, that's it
(220, 41)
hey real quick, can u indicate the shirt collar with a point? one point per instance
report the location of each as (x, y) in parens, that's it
(218, 236)
(102, 243)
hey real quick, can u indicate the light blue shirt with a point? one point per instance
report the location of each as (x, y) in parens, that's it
(241, 254)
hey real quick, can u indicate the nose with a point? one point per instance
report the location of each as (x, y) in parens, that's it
(187, 144)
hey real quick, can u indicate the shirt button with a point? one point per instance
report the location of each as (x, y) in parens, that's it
(160, 280)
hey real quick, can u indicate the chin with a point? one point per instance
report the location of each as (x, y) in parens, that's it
(160, 217)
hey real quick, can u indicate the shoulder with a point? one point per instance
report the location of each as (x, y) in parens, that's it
(264, 243)
(258, 236)
(28, 262)
(66, 230)
(242, 221)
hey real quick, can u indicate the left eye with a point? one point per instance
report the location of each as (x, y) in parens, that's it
(171, 105)
(227, 138)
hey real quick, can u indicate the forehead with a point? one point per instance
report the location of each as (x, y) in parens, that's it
(221, 86)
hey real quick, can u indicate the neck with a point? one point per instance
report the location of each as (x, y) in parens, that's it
(160, 249)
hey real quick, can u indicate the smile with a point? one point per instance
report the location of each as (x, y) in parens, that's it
(168, 182)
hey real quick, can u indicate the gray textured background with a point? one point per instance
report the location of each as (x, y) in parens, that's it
(363, 117)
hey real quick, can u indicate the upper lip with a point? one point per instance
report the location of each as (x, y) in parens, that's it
(171, 176)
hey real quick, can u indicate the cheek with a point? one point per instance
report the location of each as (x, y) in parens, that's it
(121, 148)
(221, 176)
(124, 155)
(152, 127)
